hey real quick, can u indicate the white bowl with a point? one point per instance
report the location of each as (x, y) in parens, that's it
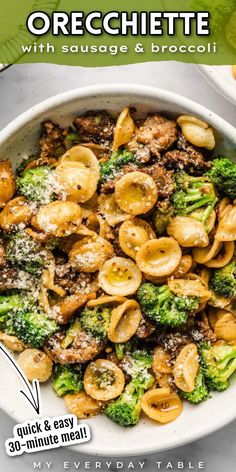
(20, 138)
(221, 78)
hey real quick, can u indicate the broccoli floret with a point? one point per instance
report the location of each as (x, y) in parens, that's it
(9, 304)
(112, 167)
(218, 364)
(96, 320)
(67, 379)
(127, 408)
(223, 176)
(223, 280)
(26, 253)
(162, 218)
(24, 163)
(200, 392)
(33, 327)
(192, 193)
(37, 184)
(160, 305)
(122, 348)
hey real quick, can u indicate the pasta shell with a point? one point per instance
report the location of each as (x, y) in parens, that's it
(124, 129)
(16, 212)
(110, 210)
(89, 255)
(161, 361)
(203, 255)
(188, 232)
(222, 259)
(189, 288)
(132, 234)
(103, 380)
(186, 368)
(159, 257)
(78, 174)
(82, 405)
(58, 218)
(124, 321)
(119, 276)
(106, 299)
(136, 193)
(7, 182)
(226, 230)
(161, 405)
(196, 131)
(225, 326)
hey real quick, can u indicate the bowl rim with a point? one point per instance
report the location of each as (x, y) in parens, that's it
(107, 90)
(218, 83)
(128, 90)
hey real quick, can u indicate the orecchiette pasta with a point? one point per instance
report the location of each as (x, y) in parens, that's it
(35, 364)
(186, 368)
(225, 326)
(12, 342)
(106, 299)
(133, 234)
(226, 230)
(124, 321)
(159, 257)
(119, 276)
(136, 193)
(161, 361)
(58, 218)
(185, 287)
(16, 212)
(7, 182)
(188, 232)
(89, 255)
(161, 405)
(111, 211)
(82, 405)
(196, 131)
(103, 380)
(78, 174)
(124, 129)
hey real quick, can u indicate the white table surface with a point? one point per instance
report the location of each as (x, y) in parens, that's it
(21, 87)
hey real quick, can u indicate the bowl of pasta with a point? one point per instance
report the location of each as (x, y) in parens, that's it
(117, 280)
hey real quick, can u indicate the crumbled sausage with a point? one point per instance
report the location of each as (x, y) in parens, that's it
(95, 127)
(156, 133)
(84, 348)
(52, 142)
(163, 179)
(185, 157)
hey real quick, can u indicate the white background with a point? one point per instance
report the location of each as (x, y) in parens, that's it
(25, 85)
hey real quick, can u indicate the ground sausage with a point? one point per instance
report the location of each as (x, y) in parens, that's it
(95, 127)
(52, 141)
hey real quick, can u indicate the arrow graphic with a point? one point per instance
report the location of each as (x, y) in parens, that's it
(32, 392)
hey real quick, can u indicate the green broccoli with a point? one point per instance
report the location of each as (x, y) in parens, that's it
(162, 218)
(67, 379)
(218, 364)
(223, 280)
(33, 327)
(111, 168)
(160, 305)
(200, 392)
(96, 320)
(223, 176)
(9, 304)
(192, 193)
(37, 184)
(127, 408)
(122, 348)
(26, 253)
